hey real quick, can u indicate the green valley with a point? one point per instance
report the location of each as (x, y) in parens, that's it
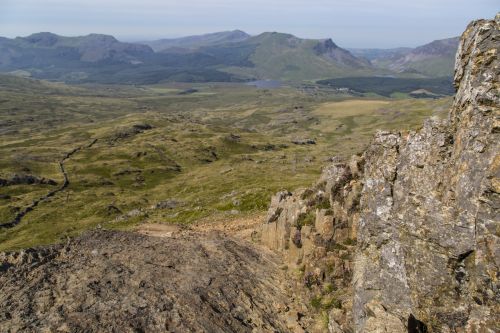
(172, 153)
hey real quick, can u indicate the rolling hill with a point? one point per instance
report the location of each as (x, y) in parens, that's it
(434, 59)
(378, 54)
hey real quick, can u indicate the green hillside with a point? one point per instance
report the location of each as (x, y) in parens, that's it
(435, 59)
(281, 56)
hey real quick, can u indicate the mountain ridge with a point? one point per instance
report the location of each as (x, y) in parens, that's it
(196, 41)
(225, 56)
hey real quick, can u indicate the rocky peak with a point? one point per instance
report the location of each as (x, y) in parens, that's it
(328, 49)
(325, 46)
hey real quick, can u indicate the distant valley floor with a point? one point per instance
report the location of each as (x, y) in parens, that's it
(173, 153)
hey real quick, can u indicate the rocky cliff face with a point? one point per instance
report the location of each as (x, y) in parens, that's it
(405, 237)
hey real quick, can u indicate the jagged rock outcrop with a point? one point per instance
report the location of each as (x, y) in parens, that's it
(315, 229)
(328, 49)
(421, 208)
(26, 180)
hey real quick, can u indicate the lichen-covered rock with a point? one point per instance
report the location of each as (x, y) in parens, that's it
(421, 208)
(26, 180)
(428, 227)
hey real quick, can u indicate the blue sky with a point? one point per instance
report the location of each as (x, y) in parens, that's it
(350, 23)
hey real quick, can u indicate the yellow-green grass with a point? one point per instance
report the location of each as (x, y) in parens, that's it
(174, 160)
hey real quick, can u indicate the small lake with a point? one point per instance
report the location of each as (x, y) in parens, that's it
(265, 84)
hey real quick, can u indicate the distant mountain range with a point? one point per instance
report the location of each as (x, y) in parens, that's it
(191, 43)
(223, 56)
(432, 60)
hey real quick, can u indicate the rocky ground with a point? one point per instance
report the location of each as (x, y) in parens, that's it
(183, 281)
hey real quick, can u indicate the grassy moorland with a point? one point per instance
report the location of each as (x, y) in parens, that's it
(173, 153)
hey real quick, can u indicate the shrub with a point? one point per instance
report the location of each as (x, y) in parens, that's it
(331, 303)
(306, 219)
(350, 242)
(323, 203)
(316, 302)
(329, 287)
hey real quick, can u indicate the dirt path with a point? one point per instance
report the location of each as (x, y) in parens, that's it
(239, 227)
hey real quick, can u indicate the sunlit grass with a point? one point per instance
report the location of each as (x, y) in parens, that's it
(188, 156)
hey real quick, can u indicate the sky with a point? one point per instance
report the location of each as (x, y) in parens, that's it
(350, 23)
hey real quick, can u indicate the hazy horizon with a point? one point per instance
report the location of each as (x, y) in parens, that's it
(356, 24)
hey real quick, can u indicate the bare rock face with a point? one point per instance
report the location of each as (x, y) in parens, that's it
(421, 208)
(428, 230)
(125, 282)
